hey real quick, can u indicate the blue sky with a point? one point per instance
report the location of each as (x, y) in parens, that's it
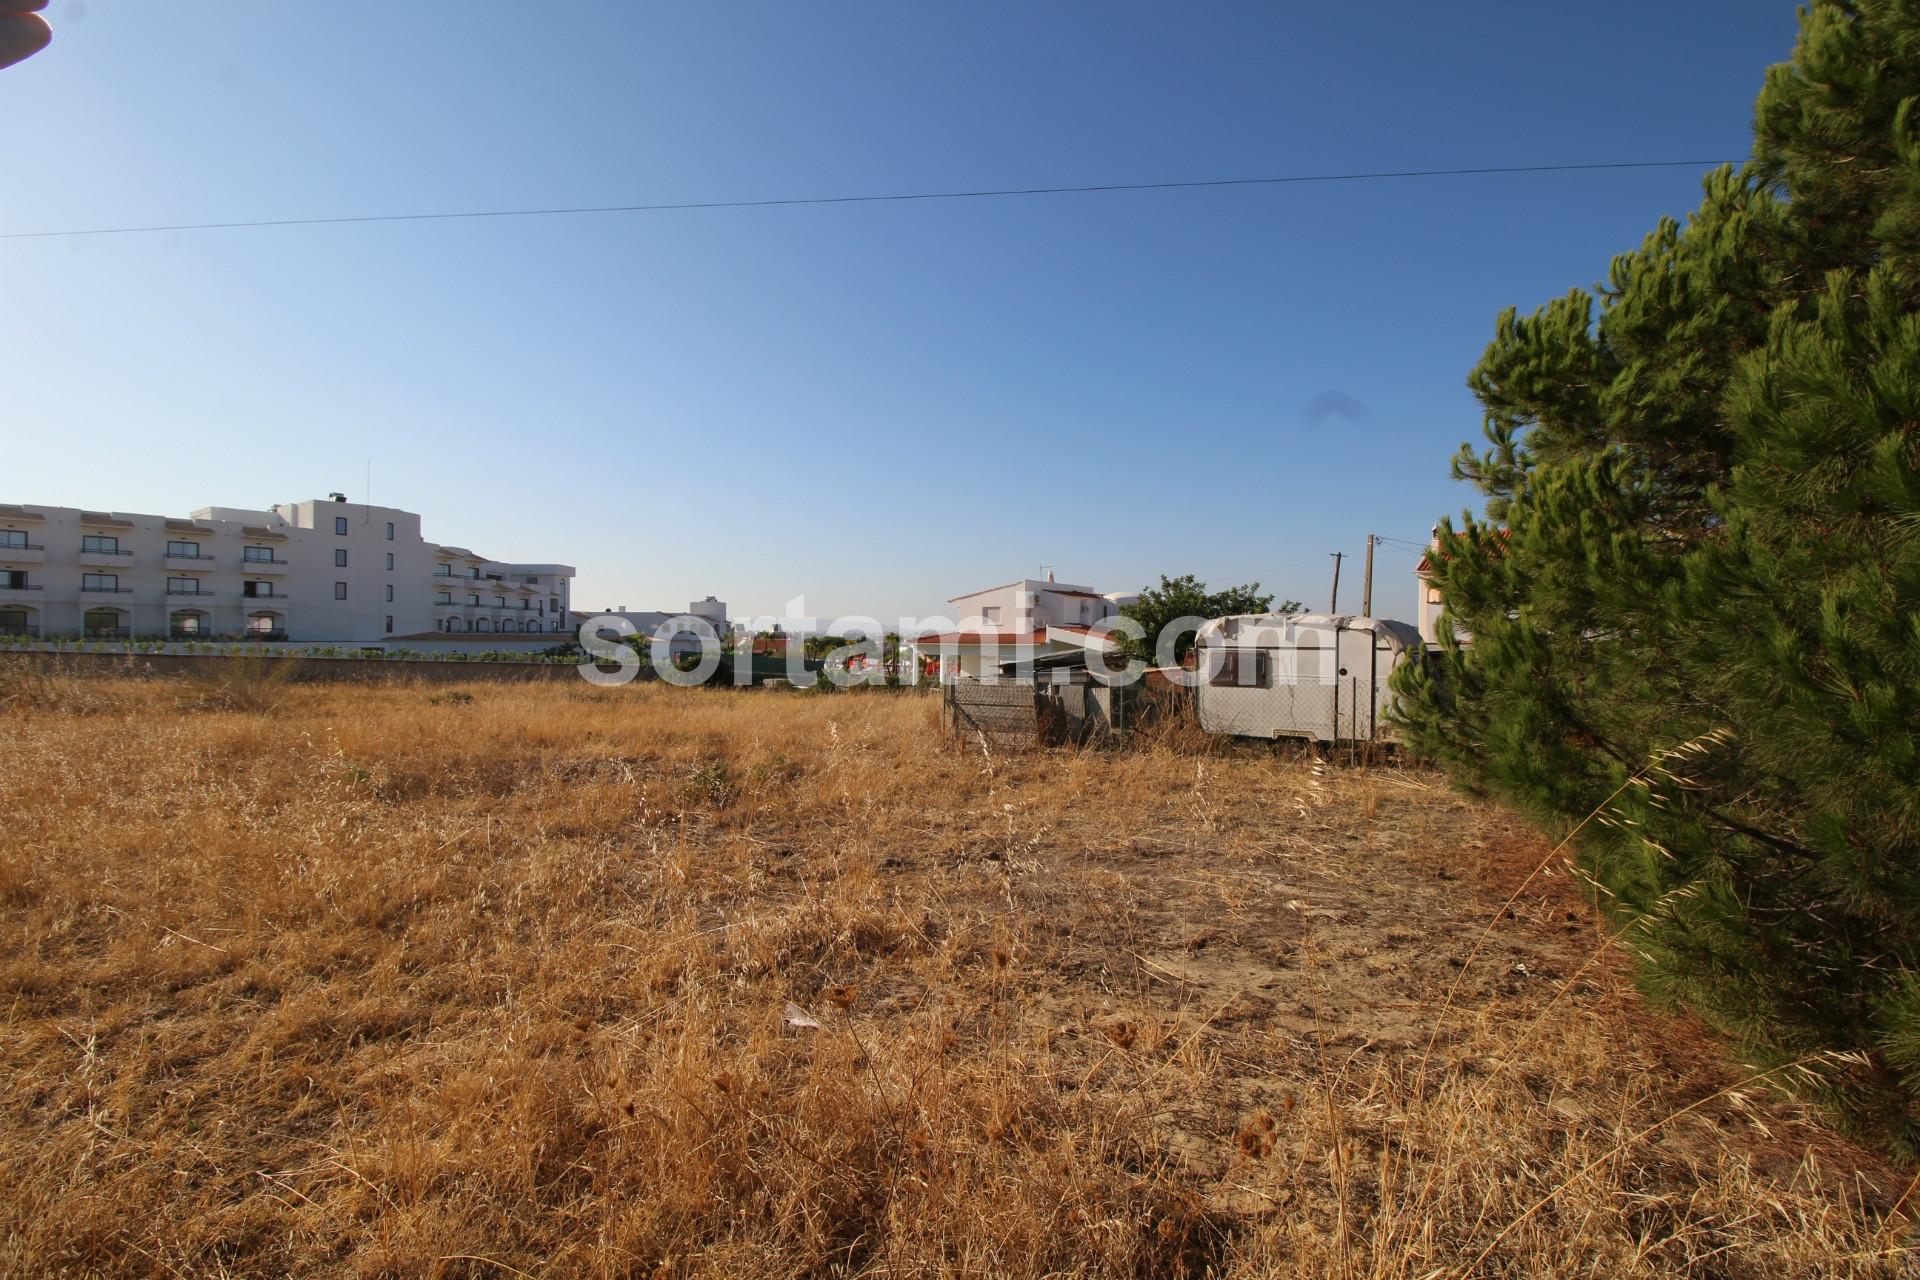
(877, 405)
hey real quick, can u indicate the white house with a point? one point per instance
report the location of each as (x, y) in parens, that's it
(1017, 621)
(1431, 605)
(647, 622)
(323, 570)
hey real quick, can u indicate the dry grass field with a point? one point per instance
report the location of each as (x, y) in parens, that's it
(546, 980)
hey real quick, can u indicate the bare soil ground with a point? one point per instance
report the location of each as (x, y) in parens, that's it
(563, 981)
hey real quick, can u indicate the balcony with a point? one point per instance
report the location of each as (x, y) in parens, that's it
(6, 590)
(29, 629)
(108, 633)
(105, 591)
(275, 598)
(189, 562)
(263, 566)
(26, 553)
(197, 594)
(106, 559)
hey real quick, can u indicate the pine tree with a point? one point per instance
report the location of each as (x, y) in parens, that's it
(1695, 594)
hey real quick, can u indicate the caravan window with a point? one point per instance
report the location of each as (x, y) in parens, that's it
(1243, 669)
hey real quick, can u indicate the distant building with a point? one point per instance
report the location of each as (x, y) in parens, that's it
(647, 622)
(323, 570)
(1017, 621)
(1431, 604)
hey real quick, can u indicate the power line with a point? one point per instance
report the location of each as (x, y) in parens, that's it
(879, 199)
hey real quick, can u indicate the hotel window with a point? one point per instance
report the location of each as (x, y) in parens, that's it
(257, 555)
(499, 602)
(443, 597)
(389, 593)
(389, 561)
(340, 524)
(991, 615)
(99, 582)
(256, 588)
(474, 571)
(473, 599)
(389, 622)
(339, 591)
(183, 586)
(443, 571)
(13, 537)
(186, 550)
(13, 579)
(100, 542)
(389, 539)
(340, 558)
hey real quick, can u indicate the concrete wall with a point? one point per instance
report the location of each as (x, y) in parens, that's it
(306, 669)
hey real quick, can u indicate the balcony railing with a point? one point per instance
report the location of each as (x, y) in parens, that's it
(20, 629)
(262, 595)
(106, 591)
(109, 633)
(195, 592)
(20, 546)
(249, 560)
(181, 555)
(103, 551)
(266, 635)
(22, 587)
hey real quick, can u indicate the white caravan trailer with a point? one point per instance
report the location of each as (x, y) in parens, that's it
(1304, 675)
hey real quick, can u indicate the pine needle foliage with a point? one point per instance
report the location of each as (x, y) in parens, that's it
(1702, 529)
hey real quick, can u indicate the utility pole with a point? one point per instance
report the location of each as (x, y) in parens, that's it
(1338, 556)
(1366, 582)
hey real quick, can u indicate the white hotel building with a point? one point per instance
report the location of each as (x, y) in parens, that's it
(324, 570)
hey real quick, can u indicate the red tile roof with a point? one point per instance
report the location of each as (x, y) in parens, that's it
(1427, 562)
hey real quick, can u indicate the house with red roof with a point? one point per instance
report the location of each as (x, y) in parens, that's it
(1018, 621)
(1432, 603)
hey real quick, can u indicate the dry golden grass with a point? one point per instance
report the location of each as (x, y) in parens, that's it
(389, 981)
